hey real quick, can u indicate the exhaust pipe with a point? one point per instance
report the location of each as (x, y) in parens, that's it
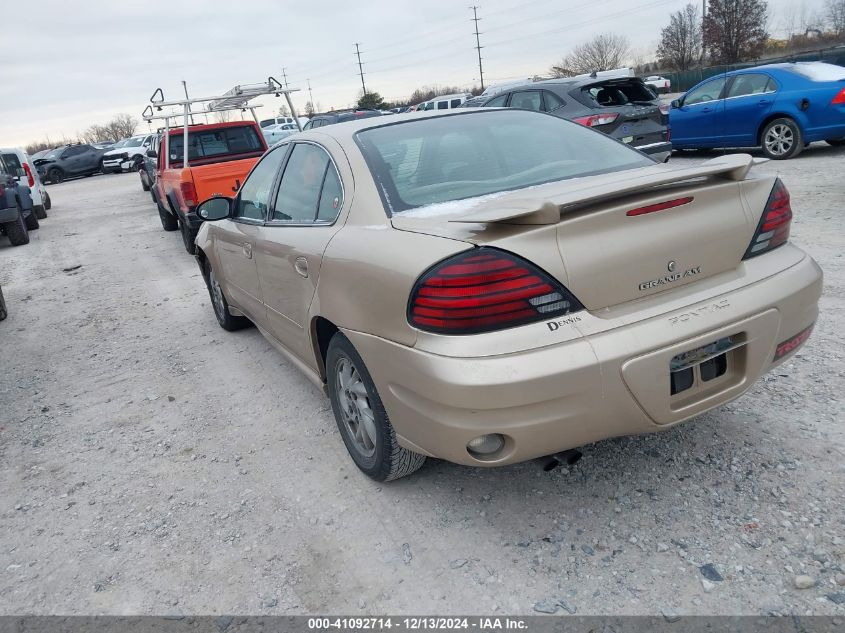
(570, 457)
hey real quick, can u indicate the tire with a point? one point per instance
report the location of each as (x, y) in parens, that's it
(40, 211)
(781, 139)
(226, 320)
(835, 142)
(188, 237)
(55, 175)
(168, 222)
(16, 231)
(137, 163)
(48, 204)
(31, 220)
(3, 312)
(144, 185)
(365, 428)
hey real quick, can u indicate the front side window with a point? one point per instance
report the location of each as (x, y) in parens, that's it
(254, 197)
(709, 91)
(431, 161)
(299, 192)
(498, 102)
(751, 84)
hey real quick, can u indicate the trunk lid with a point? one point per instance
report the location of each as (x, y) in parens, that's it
(639, 119)
(581, 230)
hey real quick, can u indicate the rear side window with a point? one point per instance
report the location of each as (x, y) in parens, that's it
(553, 102)
(213, 143)
(498, 102)
(442, 105)
(432, 161)
(527, 100)
(455, 103)
(750, 84)
(299, 192)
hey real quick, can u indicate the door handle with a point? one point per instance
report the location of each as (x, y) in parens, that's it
(706, 109)
(763, 102)
(301, 266)
(248, 250)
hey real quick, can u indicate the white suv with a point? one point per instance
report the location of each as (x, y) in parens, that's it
(128, 154)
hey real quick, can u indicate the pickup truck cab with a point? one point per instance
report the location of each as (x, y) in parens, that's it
(220, 155)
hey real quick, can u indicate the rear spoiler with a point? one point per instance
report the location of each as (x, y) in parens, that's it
(543, 204)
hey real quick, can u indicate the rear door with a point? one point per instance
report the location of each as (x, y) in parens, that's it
(694, 122)
(291, 245)
(748, 99)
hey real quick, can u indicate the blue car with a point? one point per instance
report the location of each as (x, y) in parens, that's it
(778, 107)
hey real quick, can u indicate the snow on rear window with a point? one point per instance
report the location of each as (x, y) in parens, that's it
(819, 71)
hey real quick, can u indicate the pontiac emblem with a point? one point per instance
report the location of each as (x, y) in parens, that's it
(671, 266)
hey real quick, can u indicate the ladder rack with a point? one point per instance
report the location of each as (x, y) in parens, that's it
(237, 98)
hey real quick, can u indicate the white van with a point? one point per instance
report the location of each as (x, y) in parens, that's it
(444, 102)
(20, 164)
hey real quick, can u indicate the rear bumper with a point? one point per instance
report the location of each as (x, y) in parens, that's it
(595, 386)
(9, 214)
(658, 151)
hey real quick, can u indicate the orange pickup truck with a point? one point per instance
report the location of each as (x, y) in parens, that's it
(220, 156)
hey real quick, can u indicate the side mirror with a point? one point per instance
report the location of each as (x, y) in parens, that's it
(152, 153)
(218, 208)
(676, 103)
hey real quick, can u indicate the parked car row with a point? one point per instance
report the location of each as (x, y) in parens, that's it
(23, 199)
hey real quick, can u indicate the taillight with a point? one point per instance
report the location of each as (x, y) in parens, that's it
(189, 194)
(773, 228)
(596, 119)
(839, 99)
(485, 289)
(29, 179)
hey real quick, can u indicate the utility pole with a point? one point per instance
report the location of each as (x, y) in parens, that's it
(478, 46)
(284, 77)
(185, 86)
(360, 68)
(310, 95)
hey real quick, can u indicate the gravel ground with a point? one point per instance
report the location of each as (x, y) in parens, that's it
(152, 463)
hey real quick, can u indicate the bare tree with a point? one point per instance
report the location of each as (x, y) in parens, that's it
(284, 111)
(680, 43)
(836, 16)
(96, 133)
(735, 30)
(122, 126)
(603, 52)
(224, 116)
(309, 109)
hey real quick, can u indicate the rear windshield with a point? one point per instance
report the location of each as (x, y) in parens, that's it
(215, 143)
(818, 71)
(616, 93)
(429, 161)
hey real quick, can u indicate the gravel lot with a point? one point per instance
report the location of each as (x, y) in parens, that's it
(152, 463)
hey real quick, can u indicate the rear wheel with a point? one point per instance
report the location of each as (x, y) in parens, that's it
(48, 204)
(836, 142)
(16, 231)
(781, 139)
(144, 184)
(168, 222)
(55, 175)
(40, 212)
(31, 220)
(221, 306)
(361, 419)
(3, 312)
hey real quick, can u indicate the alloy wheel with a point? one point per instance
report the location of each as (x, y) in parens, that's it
(355, 409)
(779, 139)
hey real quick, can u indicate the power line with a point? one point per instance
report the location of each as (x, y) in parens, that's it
(360, 68)
(478, 44)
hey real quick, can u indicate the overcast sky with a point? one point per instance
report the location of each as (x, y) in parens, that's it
(80, 63)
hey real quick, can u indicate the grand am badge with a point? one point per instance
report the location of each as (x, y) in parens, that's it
(668, 279)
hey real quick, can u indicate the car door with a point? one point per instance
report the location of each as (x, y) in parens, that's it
(234, 239)
(693, 124)
(291, 245)
(71, 161)
(748, 99)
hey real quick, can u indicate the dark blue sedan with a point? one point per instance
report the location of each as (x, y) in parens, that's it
(778, 107)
